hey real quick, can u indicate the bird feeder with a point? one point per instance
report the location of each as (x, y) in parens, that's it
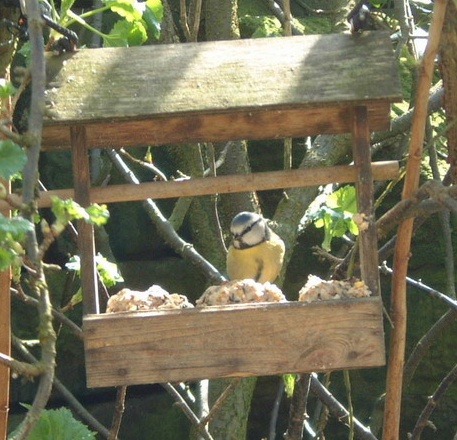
(220, 91)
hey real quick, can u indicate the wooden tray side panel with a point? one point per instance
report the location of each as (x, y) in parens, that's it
(244, 340)
(218, 127)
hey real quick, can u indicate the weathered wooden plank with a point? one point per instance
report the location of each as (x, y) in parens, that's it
(219, 85)
(365, 204)
(242, 340)
(223, 76)
(221, 184)
(219, 127)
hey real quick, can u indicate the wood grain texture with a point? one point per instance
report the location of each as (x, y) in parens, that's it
(242, 89)
(368, 240)
(246, 125)
(221, 184)
(86, 238)
(242, 340)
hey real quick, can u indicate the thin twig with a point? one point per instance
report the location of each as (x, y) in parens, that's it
(74, 404)
(220, 400)
(297, 412)
(279, 14)
(119, 409)
(164, 227)
(403, 243)
(427, 341)
(275, 410)
(420, 285)
(187, 410)
(433, 402)
(147, 165)
(27, 299)
(183, 19)
(338, 410)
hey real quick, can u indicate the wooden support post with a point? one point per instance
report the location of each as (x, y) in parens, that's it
(365, 205)
(86, 241)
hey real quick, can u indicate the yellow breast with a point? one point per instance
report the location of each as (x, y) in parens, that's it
(261, 263)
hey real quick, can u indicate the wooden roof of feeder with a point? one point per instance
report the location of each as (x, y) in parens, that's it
(226, 90)
(220, 91)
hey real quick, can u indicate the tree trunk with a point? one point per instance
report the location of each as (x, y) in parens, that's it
(448, 67)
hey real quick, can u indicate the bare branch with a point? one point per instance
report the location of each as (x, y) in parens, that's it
(297, 412)
(118, 412)
(165, 228)
(338, 410)
(187, 410)
(66, 394)
(433, 402)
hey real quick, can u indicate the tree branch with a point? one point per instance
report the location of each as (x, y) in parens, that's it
(337, 410)
(403, 243)
(433, 402)
(166, 230)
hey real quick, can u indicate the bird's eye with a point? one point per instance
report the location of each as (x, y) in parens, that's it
(245, 231)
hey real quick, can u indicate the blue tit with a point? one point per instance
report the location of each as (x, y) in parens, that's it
(256, 252)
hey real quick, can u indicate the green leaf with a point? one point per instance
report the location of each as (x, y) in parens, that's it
(124, 34)
(6, 258)
(336, 215)
(67, 210)
(289, 384)
(344, 199)
(15, 227)
(131, 10)
(59, 424)
(153, 16)
(12, 158)
(98, 214)
(6, 88)
(108, 271)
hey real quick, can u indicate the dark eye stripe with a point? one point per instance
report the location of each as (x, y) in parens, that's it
(245, 231)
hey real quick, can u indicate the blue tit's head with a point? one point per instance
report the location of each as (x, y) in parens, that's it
(248, 229)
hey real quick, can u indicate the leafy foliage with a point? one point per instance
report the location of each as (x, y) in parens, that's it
(59, 424)
(6, 88)
(108, 271)
(335, 216)
(12, 233)
(12, 159)
(68, 210)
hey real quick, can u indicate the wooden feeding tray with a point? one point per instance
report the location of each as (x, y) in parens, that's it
(220, 91)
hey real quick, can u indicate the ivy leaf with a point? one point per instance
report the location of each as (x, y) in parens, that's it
(12, 158)
(59, 424)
